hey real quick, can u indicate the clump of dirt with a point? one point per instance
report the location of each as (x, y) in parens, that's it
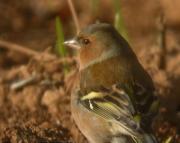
(166, 80)
(36, 112)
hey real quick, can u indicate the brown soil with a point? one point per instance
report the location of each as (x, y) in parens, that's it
(40, 110)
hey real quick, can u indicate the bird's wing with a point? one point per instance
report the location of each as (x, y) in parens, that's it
(115, 106)
(144, 97)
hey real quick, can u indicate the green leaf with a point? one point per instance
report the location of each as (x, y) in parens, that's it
(60, 39)
(118, 20)
(137, 118)
(60, 48)
(168, 140)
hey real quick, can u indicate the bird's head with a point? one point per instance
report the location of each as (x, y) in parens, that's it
(96, 43)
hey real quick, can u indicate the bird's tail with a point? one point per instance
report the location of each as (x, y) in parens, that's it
(149, 138)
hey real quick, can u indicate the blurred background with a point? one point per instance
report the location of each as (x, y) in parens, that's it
(37, 72)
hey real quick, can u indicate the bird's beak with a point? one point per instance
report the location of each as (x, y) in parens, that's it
(73, 43)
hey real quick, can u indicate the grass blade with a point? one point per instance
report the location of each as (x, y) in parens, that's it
(118, 20)
(60, 39)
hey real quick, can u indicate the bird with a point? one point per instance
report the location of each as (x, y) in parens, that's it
(113, 100)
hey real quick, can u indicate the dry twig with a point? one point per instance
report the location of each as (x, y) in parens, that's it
(74, 15)
(162, 41)
(39, 56)
(22, 49)
(23, 82)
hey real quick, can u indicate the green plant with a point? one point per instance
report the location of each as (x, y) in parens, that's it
(60, 39)
(61, 50)
(118, 20)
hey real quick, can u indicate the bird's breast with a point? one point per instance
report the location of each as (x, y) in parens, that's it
(105, 74)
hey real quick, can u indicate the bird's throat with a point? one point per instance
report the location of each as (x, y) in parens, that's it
(99, 59)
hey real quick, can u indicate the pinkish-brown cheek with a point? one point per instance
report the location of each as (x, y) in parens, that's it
(88, 54)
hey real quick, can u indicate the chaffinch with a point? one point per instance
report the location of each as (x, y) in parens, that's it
(114, 98)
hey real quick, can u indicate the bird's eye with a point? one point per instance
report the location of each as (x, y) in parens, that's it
(85, 41)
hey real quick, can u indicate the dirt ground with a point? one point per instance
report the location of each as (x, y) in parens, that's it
(40, 110)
